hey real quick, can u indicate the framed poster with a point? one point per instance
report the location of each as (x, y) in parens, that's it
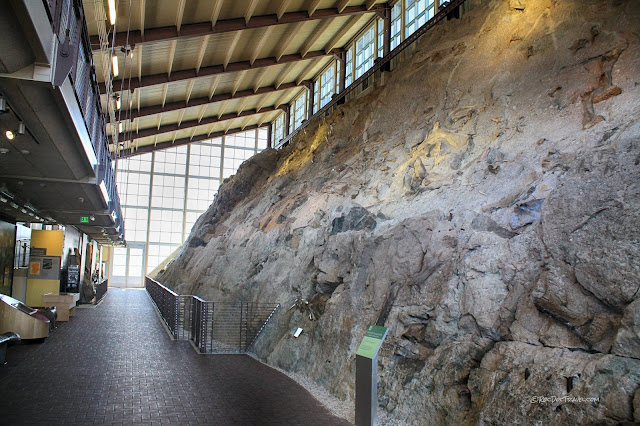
(34, 267)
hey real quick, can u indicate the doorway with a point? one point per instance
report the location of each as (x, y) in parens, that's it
(128, 266)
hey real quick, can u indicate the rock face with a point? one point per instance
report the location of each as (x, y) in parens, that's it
(483, 204)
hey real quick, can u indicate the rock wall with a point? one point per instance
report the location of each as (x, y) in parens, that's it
(483, 204)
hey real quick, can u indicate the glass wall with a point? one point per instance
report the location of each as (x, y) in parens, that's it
(328, 85)
(406, 17)
(163, 194)
(396, 25)
(365, 50)
(299, 110)
(278, 128)
(417, 13)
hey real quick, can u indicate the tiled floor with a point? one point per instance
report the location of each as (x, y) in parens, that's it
(115, 364)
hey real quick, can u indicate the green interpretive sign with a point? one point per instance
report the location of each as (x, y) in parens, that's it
(84, 219)
(372, 341)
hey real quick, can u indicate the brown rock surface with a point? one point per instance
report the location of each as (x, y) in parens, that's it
(484, 203)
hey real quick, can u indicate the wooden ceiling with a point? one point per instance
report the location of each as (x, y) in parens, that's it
(198, 69)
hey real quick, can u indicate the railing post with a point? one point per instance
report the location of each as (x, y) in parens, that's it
(203, 326)
(240, 339)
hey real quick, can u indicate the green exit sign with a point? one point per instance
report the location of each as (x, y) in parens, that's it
(84, 219)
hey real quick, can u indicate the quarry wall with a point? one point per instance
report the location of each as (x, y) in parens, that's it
(483, 204)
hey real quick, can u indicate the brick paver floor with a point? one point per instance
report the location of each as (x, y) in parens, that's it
(115, 364)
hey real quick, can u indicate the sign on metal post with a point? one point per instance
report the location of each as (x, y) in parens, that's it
(367, 375)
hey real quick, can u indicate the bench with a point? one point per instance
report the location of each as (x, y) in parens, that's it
(65, 304)
(5, 339)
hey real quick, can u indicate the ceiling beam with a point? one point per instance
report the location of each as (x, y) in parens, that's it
(222, 108)
(342, 5)
(370, 4)
(214, 85)
(284, 74)
(215, 13)
(180, 14)
(203, 50)
(288, 38)
(184, 141)
(238, 82)
(343, 31)
(139, 63)
(260, 79)
(189, 90)
(263, 39)
(250, 9)
(218, 26)
(172, 55)
(231, 49)
(307, 70)
(178, 105)
(168, 128)
(313, 7)
(176, 76)
(283, 8)
(317, 33)
(143, 12)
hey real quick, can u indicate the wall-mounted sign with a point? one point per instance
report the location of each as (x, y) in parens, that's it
(372, 341)
(84, 219)
(74, 275)
(37, 251)
(44, 268)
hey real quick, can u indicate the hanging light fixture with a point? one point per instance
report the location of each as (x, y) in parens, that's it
(22, 128)
(118, 102)
(114, 60)
(112, 11)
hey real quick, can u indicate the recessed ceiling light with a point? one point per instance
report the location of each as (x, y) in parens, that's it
(9, 135)
(4, 151)
(114, 62)
(25, 152)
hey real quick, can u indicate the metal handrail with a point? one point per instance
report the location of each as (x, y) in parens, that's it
(212, 327)
(380, 64)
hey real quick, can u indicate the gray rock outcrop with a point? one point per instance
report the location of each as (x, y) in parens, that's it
(483, 204)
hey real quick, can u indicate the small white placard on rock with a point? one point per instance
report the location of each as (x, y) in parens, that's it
(298, 332)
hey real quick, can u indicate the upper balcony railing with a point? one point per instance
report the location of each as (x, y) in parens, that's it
(68, 23)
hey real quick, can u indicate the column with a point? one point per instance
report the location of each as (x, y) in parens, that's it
(341, 56)
(310, 97)
(387, 30)
(287, 118)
